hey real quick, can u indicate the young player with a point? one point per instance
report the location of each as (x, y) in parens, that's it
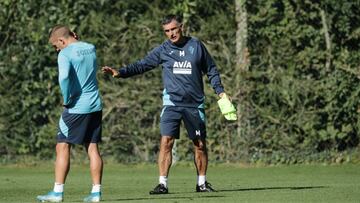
(80, 122)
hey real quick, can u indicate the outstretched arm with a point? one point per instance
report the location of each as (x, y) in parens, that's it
(151, 61)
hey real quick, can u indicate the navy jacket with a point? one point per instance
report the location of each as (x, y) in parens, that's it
(182, 69)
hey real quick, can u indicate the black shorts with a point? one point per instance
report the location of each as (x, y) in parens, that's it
(194, 120)
(79, 128)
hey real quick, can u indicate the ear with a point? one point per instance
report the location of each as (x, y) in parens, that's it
(62, 40)
(181, 27)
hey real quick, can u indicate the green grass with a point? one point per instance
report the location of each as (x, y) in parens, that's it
(300, 183)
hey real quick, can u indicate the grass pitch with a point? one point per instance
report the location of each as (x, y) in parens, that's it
(131, 183)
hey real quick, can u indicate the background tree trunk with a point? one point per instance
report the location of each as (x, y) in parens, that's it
(242, 53)
(242, 66)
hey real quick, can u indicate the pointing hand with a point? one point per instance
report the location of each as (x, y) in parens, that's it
(110, 70)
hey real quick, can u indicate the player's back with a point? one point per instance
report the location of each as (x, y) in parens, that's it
(83, 84)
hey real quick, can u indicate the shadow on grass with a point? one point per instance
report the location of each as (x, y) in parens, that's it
(163, 197)
(274, 188)
(170, 197)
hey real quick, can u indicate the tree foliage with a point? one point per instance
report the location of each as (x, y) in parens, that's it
(298, 97)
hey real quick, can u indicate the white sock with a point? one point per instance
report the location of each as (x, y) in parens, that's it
(201, 180)
(58, 187)
(163, 180)
(96, 188)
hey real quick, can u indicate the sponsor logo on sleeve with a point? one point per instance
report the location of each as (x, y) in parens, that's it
(191, 50)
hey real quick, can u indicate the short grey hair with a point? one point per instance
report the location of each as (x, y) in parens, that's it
(167, 19)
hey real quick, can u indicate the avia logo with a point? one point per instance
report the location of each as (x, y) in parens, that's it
(182, 64)
(182, 67)
(197, 132)
(182, 53)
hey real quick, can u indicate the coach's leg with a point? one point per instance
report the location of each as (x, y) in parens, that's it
(165, 156)
(62, 163)
(96, 163)
(164, 163)
(201, 162)
(200, 156)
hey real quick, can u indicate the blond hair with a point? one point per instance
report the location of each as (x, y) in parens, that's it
(62, 31)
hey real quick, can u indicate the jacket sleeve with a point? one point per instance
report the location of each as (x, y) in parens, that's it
(64, 81)
(209, 68)
(151, 61)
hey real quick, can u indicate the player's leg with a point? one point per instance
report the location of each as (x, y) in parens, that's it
(62, 166)
(96, 171)
(62, 163)
(96, 163)
(169, 127)
(194, 120)
(91, 140)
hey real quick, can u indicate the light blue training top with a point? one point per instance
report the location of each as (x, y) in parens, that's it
(77, 78)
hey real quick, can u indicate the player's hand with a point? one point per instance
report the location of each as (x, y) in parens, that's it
(109, 70)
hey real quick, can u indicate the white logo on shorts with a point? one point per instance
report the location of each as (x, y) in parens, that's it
(197, 132)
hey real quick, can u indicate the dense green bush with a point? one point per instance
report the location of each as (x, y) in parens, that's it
(298, 101)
